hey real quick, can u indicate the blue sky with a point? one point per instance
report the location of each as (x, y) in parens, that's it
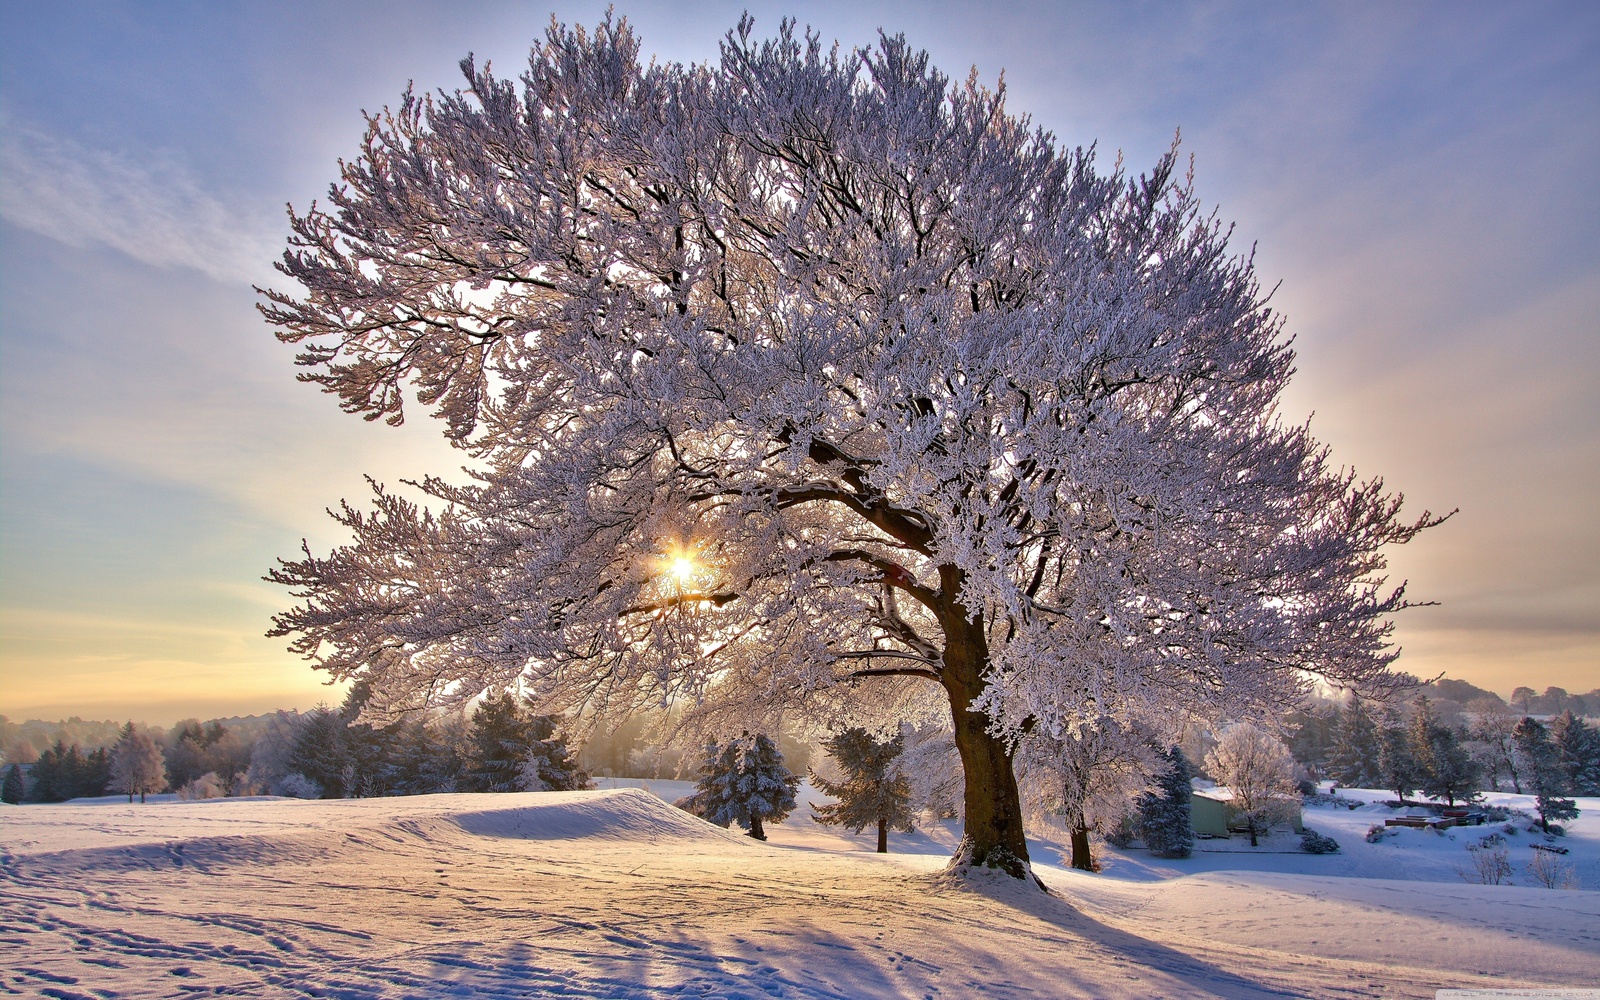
(1419, 178)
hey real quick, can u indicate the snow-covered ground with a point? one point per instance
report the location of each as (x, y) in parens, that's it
(614, 893)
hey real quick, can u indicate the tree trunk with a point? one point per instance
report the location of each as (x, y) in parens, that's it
(994, 835)
(883, 836)
(755, 828)
(1082, 859)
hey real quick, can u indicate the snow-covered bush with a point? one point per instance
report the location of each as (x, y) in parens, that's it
(1333, 799)
(1377, 832)
(1487, 865)
(207, 786)
(1551, 872)
(295, 785)
(1315, 843)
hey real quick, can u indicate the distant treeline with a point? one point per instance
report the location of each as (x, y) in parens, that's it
(1452, 750)
(326, 753)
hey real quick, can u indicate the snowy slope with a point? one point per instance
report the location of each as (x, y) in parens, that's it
(615, 894)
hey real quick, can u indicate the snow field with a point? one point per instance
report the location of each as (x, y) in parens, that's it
(614, 893)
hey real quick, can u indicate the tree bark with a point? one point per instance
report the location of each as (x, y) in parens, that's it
(883, 836)
(755, 828)
(1082, 857)
(994, 836)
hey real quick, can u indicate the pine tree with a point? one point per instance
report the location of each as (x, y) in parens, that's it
(96, 773)
(57, 773)
(550, 765)
(1166, 823)
(137, 765)
(1451, 773)
(320, 754)
(1577, 753)
(499, 746)
(1397, 765)
(744, 782)
(15, 786)
(514, 750)
(1541, 766)
(1353, 759)
(1444, 769)
(873, 790)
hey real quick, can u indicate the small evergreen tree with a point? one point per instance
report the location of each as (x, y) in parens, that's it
(1451, 774)
(1541, 765)
(513, 750)
(1444, 768)
(744, 782)
(1166, 823)
(15, 786)
(96, 772)
(550, 765)
(1353, 758)
(137, 765)
(500, 739)
(57, 774)
(1577, 753)
(873, 790)
(422, 761)
(1397, 765)
(319, 752)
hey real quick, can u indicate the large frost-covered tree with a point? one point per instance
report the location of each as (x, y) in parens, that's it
(809, 366)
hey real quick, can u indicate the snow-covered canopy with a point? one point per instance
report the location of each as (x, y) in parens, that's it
(917, 393)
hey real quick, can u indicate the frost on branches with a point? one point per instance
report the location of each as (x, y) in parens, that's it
(811, 367)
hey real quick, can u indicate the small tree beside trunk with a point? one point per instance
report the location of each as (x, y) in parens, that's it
(872, 791)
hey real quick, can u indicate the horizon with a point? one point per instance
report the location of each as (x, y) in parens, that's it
(170, 722)
(1406, 174)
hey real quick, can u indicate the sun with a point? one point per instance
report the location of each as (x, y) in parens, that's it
(683, 567)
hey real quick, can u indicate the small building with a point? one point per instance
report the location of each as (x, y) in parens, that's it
(1212, 813)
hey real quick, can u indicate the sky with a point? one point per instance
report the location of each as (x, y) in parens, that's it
(1417, 179)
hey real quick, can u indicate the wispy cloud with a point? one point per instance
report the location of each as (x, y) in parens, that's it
(149, 206)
